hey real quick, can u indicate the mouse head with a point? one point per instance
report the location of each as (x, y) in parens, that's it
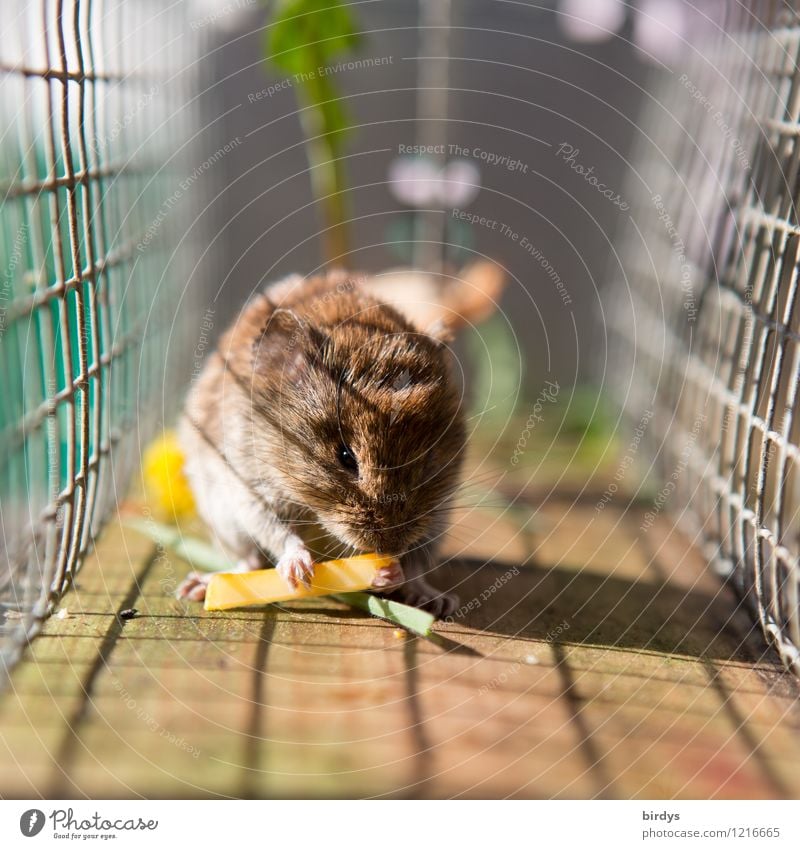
(363, 419)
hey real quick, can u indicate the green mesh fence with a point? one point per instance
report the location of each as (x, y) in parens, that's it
(704, 323)
(95, 123)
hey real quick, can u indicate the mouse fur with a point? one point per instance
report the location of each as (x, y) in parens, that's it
(326, 408)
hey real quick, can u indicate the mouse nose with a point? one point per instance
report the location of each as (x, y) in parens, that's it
(384, 529)
(382, 541)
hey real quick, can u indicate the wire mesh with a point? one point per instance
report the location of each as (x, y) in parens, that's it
(94, 101)
(706, 310)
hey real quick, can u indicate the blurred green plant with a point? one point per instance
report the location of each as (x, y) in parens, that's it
(495, 357)
(306, 37)
(588, 420)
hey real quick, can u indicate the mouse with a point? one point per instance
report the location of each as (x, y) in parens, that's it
(330, 421)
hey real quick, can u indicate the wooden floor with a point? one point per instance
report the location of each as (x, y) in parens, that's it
(590, 659)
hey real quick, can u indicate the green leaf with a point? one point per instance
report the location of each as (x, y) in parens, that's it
(307, 34)
(195, 551)
(305, 39)
(411, 618)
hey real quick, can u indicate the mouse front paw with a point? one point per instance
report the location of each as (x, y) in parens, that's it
(193, 586)
(389, 577)
(296, 566)
(419, 593)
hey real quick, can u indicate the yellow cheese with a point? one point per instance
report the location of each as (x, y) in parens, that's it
(265, 586)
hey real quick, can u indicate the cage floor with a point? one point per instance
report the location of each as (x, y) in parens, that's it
(591, 660)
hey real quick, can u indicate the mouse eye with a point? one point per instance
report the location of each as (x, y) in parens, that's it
(347, 460)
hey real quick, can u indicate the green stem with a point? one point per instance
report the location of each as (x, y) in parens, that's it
(410, 618)
(328, 177)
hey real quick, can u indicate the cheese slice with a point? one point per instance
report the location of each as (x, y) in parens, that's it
(265, 586)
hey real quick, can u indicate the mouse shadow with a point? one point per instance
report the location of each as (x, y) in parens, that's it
(572, 605)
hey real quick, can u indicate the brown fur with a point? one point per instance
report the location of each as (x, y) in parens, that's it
(308, 368)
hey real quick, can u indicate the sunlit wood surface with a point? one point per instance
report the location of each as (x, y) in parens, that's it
(590, 659)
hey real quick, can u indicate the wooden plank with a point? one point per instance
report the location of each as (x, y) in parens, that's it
(608, 664)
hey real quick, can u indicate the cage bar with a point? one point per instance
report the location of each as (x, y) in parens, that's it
(96, 101)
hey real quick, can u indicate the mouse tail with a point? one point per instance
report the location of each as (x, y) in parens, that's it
(440, 304)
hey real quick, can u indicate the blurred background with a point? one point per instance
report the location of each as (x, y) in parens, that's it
(507, 90)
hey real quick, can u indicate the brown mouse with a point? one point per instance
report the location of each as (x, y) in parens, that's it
(331, 403)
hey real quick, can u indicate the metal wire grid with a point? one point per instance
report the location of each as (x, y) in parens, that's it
(93, 102)
(707, 308)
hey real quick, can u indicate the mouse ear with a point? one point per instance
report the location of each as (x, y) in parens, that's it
(440, 304)
(286, 346)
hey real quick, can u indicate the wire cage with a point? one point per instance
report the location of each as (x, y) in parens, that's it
(95, 97)
(704, 323)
